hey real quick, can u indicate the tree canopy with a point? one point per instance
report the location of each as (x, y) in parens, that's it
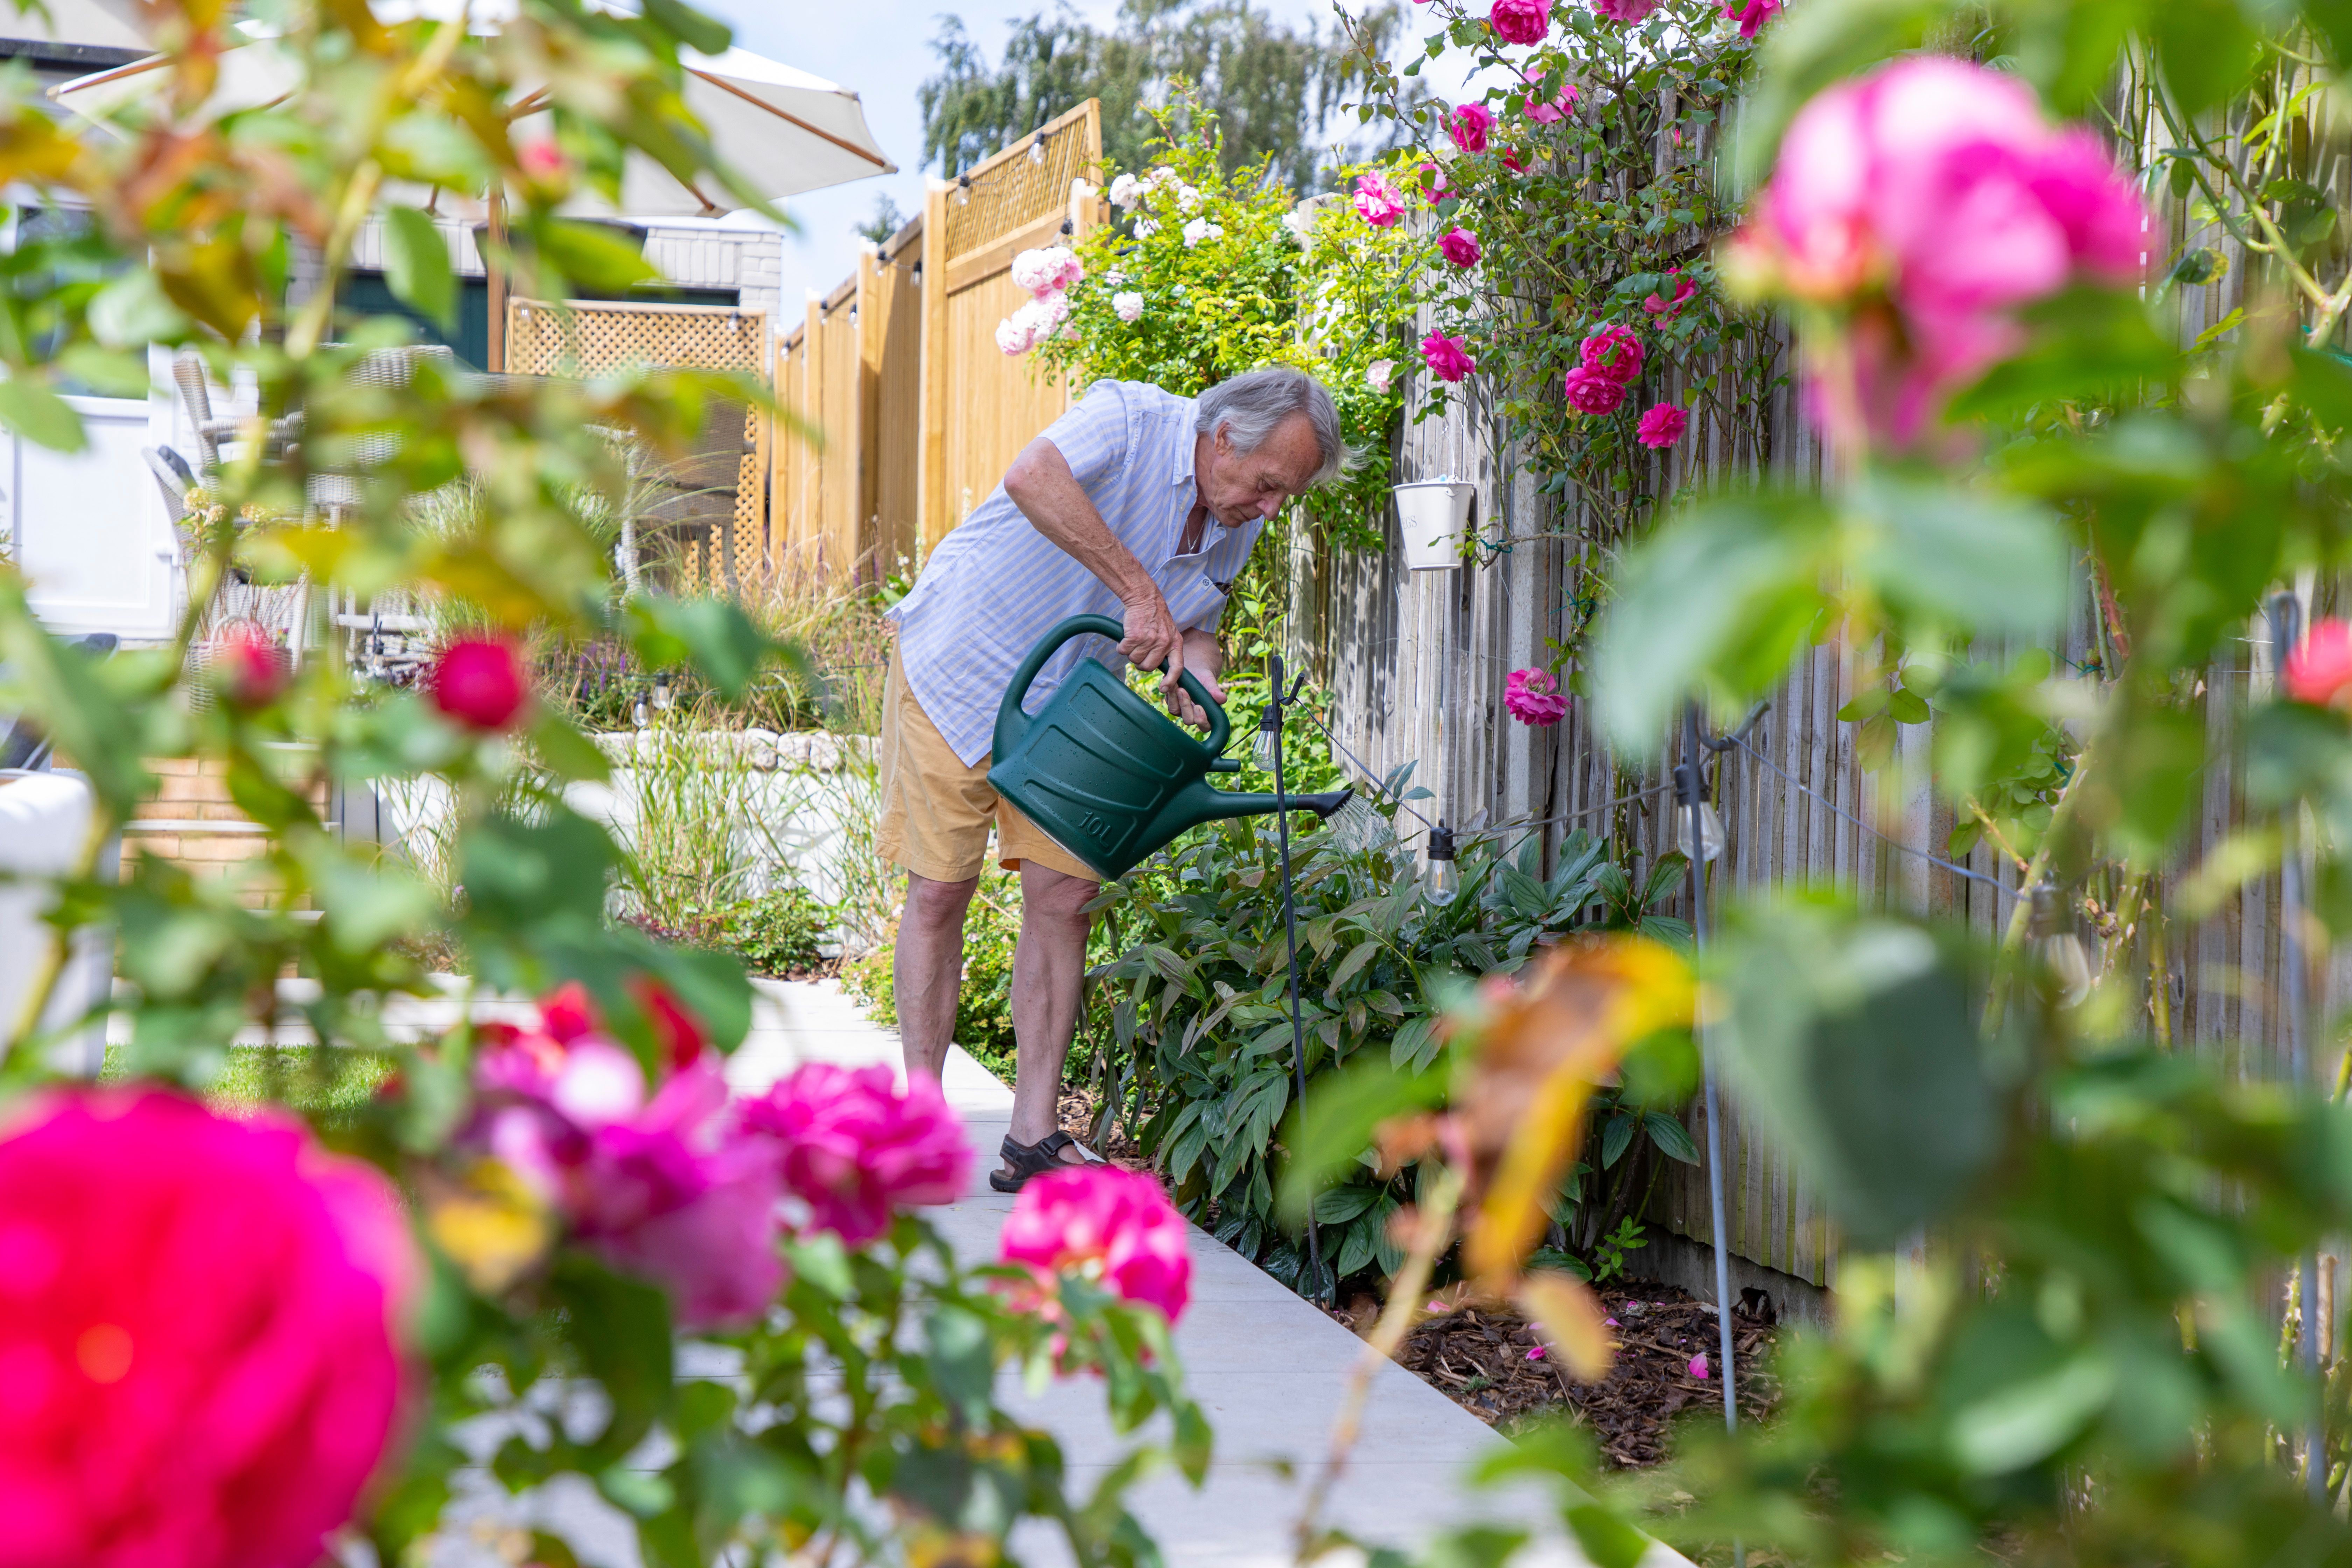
(1272, 88)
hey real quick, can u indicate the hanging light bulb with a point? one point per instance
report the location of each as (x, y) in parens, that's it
(661, 693)
(2050, 938)
(963, 190)
(1441, 884)
(1037, 147)
(640, 715)
(1687, 785)
(1268, 749)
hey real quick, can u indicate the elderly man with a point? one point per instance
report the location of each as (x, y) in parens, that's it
(1109, 512)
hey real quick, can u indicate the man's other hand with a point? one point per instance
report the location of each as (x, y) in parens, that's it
(1153, 640)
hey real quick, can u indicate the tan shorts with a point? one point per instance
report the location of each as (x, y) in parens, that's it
(936, 811)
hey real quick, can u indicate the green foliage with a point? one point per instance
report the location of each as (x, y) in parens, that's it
(1311, 285)
(779, 932)
(1274, 86)
(1199, 1005)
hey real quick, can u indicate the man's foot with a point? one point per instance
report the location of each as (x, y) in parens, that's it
(1022, 1161)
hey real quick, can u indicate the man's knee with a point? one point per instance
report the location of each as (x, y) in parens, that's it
(937, 905)
(1060, 903)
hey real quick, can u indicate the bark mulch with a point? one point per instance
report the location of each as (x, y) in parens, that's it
(1476, 1355)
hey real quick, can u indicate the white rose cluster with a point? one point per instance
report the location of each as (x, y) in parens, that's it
(1200, 228)
(1126, 305)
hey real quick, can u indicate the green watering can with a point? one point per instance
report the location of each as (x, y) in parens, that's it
(1106, 774)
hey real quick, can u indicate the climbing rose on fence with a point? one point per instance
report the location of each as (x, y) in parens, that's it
(1446, 357)
(1113, 1227)
(1200, 228)
(1048, 270)
(1590, 390)
(1460, 247)
(1930, 200)
(853, 1148)
(1126, 191)
(1563, 103)
(1515, 161)
(1469, 125)
(1520, 21)
(1126, 305)
(2319, 670)
(1533, 697)
(478, 681)
(1751, 14)
(1378, 203)
(1613, 351)
(198, 1356)
(1684, 287)
(1662, 425)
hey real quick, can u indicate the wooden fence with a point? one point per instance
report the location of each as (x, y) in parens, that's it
(915, 412)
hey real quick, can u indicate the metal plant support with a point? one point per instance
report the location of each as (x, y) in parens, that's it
(1277, 701)
(2285, 618)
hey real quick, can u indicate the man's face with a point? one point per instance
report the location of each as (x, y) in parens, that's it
(1242, 486)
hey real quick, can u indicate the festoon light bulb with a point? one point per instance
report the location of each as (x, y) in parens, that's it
(2050, 937)
(1441, 884)
(963, 190)
(1268, 749)
(1689, 784)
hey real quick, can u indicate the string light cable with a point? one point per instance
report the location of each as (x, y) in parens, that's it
(1958, 870)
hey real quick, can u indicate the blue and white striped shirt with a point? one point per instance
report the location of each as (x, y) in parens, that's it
(995, 585)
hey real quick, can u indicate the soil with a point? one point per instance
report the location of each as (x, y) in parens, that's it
(1476, 1355)
(1077, 1112)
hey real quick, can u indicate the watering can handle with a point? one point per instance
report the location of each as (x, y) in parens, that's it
(1010, 721)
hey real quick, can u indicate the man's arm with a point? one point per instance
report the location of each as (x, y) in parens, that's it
(1041, 484)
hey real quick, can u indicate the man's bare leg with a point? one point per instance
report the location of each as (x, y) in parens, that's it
(1049, 963)
(927, 970)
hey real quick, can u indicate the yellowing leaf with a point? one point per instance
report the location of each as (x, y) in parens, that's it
(1573, 1320)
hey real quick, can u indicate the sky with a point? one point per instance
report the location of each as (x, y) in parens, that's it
(880, 49)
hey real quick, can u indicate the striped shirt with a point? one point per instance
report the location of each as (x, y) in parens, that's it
(995, 585)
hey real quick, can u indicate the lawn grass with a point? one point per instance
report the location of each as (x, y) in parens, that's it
(325, 1084)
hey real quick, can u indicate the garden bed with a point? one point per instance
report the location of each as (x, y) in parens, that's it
(1477, 1356)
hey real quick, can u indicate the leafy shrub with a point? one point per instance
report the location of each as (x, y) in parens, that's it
(778, 933)
(1204, 1026)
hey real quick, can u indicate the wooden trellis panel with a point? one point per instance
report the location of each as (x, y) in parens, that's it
(981, 408)
(592, 337)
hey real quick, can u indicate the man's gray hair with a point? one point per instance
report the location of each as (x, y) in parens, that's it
(1252, 404)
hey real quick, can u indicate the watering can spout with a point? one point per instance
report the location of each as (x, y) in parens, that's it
(1217, 804)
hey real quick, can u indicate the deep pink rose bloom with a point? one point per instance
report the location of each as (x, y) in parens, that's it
(253, 669)
(1662, 425)
(1469, 125)
(1685, 288)
(198, 1364)
(1515, 161)
(1937, 187)
(1562, 105)
(1378, 203)
(2319, 670)
(1432, 182)
(1460, 247)
(1751, 14)
(1533, 697)
(853, 1148)
(1114, 1228)
(478, 681)
(1448, 358)
(1613, 351)
(1590, 390)
(1520, 21)
(1625, 10)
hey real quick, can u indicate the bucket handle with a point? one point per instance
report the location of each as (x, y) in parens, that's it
(1011, 719)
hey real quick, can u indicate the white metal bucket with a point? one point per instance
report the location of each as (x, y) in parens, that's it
(1432, 516)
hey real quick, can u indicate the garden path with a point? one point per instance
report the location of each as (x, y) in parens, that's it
(1269, 1370)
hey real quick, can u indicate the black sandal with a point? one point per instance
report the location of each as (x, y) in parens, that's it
(1029, 1160)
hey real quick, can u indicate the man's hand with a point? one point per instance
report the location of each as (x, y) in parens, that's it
(1203, 658)
(1153, 640)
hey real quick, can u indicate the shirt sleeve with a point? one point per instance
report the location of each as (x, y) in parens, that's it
(1096, 435)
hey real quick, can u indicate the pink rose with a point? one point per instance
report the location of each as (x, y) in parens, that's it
(1432, 181)
(1448, 358)
(1698, 1367)
(479, 682)
(1515, 161)
(1662, 425)
(1685, 288)
(1563, 104)
(1625, 10)
(1114, 1228)
(1533, 697)
(1469, 125)
(198, 1364)
(1590, 391)
(1520, 21)
(1378, 203)
(2319, 669)
(1932, 199)
(1613, 351)
(1460, 247)
(1751, 14)
(249, 665)
(853, 1148)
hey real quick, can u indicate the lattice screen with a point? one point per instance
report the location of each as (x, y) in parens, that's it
(1011, 189)
(591, 337)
